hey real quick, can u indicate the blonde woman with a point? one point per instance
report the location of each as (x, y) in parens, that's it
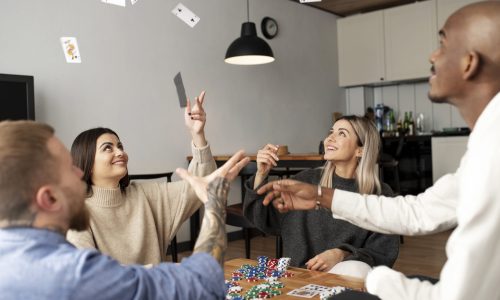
(313, 238)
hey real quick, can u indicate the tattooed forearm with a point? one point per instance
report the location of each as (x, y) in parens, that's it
(212, 238)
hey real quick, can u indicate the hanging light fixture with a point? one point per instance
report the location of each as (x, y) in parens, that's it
(249, 49)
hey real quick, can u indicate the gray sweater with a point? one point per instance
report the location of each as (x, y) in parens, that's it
(309, 233)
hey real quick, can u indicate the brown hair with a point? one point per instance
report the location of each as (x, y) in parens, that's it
(83, 153)
(25, 165)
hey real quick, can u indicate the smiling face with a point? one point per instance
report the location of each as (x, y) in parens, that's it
(342, 145)
(110, 163)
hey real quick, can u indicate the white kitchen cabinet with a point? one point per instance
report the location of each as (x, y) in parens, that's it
(387, 45)
(361, 49)
(410, 37)
(446, 7)
(447, 151)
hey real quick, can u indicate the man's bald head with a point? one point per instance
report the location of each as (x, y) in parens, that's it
(478, 27)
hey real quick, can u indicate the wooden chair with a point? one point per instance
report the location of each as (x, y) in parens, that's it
(235, 216)
(173, 244)
(390, 162)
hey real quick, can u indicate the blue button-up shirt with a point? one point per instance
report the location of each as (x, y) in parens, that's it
(41, 264)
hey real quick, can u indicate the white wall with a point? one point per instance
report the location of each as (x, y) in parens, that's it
(406, 97)
(131, 54)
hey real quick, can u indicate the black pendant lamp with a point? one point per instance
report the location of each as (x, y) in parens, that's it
(249, 49)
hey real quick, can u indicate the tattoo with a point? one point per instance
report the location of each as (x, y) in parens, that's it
(212, 238)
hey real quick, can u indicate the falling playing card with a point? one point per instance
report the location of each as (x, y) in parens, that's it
(186, 15)
(306, 1)
(115, 2)
(70, 49)
(181, 92)
(133, 1)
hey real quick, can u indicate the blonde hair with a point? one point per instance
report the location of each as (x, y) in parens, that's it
(366, 175)
(26, 163)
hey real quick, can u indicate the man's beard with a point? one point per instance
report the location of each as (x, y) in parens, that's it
(80, 220)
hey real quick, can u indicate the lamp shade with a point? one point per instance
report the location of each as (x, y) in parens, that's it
(249, 49)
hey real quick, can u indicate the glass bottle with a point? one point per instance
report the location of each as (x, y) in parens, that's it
(420, 123)
(411, 124)
(392, 121)
(406, 123)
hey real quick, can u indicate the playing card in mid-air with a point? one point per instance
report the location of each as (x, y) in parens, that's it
(306, 1)
(115, 2)
(181, 92)
(70, 49)
(186, 15)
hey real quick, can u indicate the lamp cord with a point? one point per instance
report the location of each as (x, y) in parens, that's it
(248, 11)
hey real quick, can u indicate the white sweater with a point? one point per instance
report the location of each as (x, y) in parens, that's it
(470, 198)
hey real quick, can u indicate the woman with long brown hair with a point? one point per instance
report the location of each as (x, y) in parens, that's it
(135, 221)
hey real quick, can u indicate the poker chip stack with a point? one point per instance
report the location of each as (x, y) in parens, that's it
(262, 291)
(262, 261)
(283, 264)
(233, 290)
(267, 269)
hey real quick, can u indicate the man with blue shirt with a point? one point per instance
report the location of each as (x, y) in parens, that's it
(42, 196)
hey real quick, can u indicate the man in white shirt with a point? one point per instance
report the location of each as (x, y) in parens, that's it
(465, 73)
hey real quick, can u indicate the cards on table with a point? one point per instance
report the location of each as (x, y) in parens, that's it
(70, 49)
(181, 92)
(133, 1)
(306, 1)
(311, 290)
(186, 15)
(115, 2)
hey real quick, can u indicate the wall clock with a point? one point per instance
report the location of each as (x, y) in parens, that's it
(269, 27)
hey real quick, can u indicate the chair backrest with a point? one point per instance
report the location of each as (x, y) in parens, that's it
(168, 175)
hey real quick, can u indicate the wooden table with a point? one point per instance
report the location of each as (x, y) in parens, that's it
(291, 160)
(301, 278)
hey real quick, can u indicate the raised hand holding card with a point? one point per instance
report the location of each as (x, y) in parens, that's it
(181, 92)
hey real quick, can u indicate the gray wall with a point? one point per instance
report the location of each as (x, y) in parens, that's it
(131, 54)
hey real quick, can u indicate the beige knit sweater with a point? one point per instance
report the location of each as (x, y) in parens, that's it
(136, 227)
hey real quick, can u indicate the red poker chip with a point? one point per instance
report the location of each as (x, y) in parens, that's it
(288, 274)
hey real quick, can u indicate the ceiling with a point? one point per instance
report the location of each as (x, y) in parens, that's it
(350, 7)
